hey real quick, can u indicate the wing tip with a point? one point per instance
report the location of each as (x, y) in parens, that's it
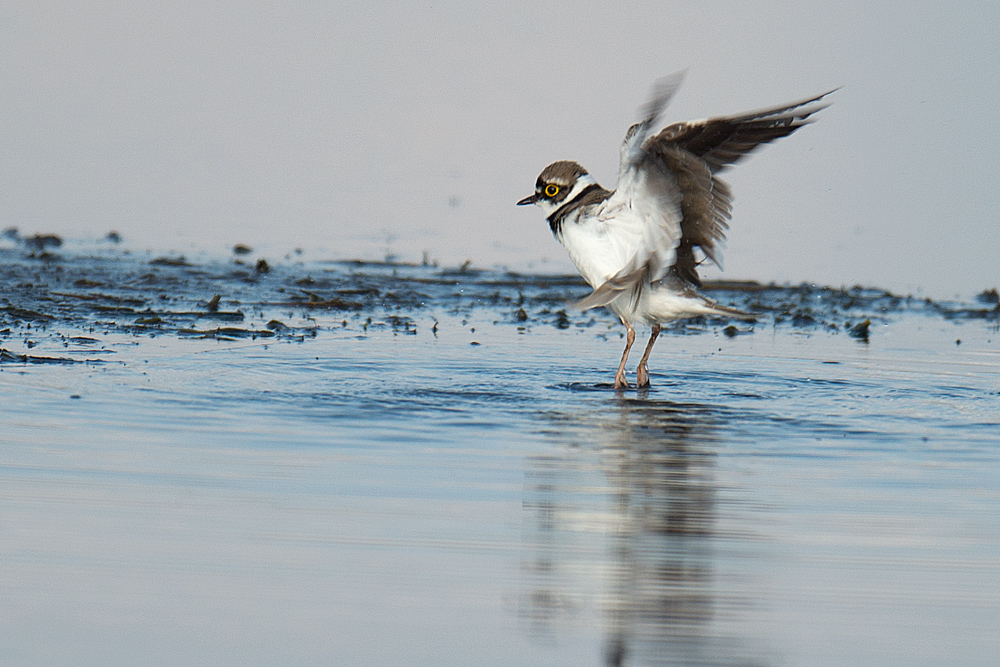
(770, 113)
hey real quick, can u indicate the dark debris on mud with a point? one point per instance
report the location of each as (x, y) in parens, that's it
(6, 356)
(134, 293)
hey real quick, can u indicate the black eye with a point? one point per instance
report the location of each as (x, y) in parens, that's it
(551, 190)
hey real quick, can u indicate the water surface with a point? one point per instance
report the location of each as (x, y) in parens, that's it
(374, 464)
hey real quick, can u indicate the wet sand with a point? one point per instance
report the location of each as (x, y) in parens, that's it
(376, 463)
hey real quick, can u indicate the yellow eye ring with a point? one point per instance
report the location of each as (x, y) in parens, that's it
(551, 190)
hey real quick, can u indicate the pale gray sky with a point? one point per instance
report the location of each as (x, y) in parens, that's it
(338, 126)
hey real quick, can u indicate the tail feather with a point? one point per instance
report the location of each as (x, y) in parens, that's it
(670, 299)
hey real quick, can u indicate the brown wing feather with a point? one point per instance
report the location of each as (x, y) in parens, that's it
(706, 206)
(725, 140)
(695, 151)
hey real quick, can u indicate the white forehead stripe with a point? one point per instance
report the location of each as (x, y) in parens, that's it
(584, 181)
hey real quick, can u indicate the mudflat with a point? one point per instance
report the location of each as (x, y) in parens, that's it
(239, 460)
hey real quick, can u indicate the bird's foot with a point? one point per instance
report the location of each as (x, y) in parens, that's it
(642, 376)
(620, 381)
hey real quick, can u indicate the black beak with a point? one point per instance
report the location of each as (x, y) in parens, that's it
(528, 200)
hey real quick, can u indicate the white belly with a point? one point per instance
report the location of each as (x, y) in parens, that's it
(602, 244)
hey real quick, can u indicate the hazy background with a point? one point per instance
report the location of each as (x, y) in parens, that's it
(360, 129)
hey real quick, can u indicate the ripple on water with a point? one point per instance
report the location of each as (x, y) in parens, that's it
(366, 487)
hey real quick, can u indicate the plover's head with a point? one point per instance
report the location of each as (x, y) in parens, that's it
(558, 184)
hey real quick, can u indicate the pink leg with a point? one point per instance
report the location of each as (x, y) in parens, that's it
(642, 372)
(620, 381)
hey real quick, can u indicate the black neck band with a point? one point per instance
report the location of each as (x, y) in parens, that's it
(555, 220)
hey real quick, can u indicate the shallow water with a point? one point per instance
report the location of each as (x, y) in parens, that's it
(415, 466)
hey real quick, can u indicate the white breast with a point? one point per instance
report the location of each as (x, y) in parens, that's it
(625, 232)
(601, 239)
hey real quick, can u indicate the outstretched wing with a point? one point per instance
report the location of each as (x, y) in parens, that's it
(695, 151)
(725, 140)
(669, 181)
(634, 146)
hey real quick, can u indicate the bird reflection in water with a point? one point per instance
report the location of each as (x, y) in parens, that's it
(625, 518)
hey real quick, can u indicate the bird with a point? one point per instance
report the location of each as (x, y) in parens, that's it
(639, 246)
